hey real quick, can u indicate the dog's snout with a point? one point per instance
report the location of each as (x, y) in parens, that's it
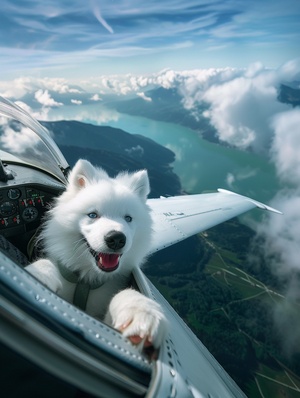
(115, 240)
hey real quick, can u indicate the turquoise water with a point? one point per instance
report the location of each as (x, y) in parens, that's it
(202, 165)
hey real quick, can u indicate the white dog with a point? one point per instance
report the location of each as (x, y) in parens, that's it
(97, 232)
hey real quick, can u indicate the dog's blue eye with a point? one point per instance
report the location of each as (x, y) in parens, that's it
(92, 215)
(128, 218)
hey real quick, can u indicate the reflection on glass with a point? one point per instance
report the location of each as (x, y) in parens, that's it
(17, 139)
(25, 138)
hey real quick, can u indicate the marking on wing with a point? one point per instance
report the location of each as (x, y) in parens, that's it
(169, 214)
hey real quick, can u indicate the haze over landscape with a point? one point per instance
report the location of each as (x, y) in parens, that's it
(227, 71)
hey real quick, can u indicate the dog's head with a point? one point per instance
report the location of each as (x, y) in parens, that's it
(106, 222)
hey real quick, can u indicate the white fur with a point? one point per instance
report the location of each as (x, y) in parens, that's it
(67, 230)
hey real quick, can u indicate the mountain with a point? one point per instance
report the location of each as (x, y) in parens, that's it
(289, 95)
(116, 150)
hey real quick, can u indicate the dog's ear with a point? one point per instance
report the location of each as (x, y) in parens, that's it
(84, 173)
(138, 182)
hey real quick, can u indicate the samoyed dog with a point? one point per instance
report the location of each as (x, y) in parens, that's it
(95, 234)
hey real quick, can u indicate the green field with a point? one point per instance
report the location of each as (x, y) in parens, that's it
(208, 282)
(277, 382)
(221, 269)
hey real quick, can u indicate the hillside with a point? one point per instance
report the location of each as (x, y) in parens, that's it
(116, 150)
(289, 95)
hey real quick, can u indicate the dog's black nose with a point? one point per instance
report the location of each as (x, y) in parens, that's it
(115, 240)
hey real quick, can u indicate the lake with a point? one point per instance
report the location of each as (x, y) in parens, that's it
(200, 164)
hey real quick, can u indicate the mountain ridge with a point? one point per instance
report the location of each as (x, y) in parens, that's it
(116, 150)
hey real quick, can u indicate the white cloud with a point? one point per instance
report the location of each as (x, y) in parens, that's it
(230, 180)
(21, 86)
(40, 114)
(136, 151)
(241, 102)
(18, 142)
(97, 114)
(286, 145)
(76, 102)
(178, 150)
(281, 233)
(15, 88)
(242, 174)
(96, 97)
(44, 98)
(58, 85)
(99, 17)
(144, 97)
(286, 318)
(281, 239)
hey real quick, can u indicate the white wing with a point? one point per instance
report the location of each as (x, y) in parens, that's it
(178, 217)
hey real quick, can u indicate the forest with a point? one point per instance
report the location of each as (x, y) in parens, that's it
(233, 318)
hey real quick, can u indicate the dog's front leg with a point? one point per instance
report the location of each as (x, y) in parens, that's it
(139, 318)
(47, 273)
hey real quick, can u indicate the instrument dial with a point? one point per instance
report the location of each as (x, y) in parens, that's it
(30, 214)
(14, 193)
(7, 209)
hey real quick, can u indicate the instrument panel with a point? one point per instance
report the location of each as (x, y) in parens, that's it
(21, 208)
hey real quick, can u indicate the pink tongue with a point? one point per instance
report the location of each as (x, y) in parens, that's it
(109, 261)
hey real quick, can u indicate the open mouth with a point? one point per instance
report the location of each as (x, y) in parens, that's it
(107, 262)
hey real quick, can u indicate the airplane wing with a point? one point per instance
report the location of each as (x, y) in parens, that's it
(179, 217)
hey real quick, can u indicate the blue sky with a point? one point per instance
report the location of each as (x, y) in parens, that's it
(74, 39)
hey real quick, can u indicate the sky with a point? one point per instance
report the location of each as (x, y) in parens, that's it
(231, 54)
(76, 39)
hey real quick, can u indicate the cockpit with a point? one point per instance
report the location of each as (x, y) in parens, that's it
(33, 173)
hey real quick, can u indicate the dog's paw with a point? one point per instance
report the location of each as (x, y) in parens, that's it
(139, 318)
(46, 272)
